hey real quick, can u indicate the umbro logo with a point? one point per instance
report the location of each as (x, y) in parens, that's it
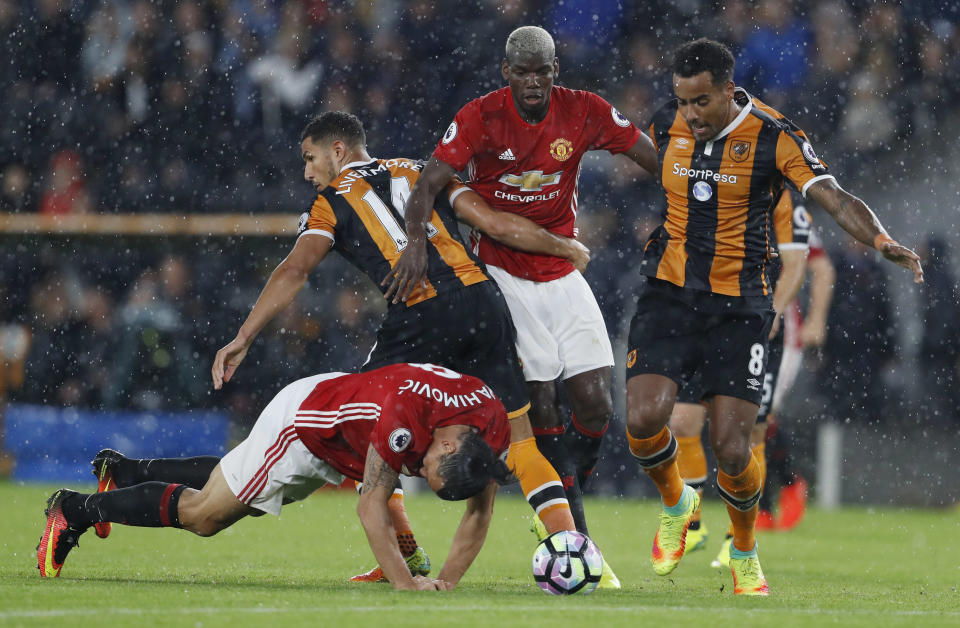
(682, 142)
(508, 155)
(753, 384)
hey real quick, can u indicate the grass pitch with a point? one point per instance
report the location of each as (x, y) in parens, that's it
(855, 567)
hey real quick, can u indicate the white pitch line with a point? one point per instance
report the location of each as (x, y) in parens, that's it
(213, 610)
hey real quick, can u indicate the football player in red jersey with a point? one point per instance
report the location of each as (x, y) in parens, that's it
(522, 146)
(415, 419)
(358, 213)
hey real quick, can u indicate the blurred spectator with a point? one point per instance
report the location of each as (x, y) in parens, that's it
(15, 189)
(52, 374)
(287, 79)
(868, 123)
(860, 337)
(155, 364)
(835, 37)
(64, 191)
(940, 345)
(105, 46)
(773, 60)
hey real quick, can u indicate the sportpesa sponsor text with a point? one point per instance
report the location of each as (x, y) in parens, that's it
(706, 175)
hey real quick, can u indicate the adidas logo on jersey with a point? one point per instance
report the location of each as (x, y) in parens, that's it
(508, 155)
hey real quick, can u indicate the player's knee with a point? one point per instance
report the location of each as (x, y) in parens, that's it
(597, 414)
(207, 527)
(731, 449)
(647, 415)
(195, 514)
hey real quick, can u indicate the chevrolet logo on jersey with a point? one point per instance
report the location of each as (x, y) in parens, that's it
(532, 181)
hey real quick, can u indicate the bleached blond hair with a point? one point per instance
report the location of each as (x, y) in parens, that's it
(530, 40)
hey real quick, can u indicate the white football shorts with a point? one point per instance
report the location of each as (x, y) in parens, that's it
(560, 330)
(271, 467)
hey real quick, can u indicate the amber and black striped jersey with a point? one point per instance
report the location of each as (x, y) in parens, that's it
(362, 212)
(716, 232)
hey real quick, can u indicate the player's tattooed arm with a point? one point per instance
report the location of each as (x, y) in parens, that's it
(411, 269)
(859, 221)
(379, 480)
(377, 474)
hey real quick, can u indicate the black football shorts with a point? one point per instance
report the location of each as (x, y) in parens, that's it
(468, 330)
(691, 391)
(687, 334)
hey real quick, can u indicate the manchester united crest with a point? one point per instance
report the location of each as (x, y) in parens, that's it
(561, 149)
(739, 151)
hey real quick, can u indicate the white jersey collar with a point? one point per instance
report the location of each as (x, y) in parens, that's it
(736, 121)
(354, 164)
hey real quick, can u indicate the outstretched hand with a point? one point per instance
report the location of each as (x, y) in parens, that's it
(409, 272)
(902, 256)
(227, 360)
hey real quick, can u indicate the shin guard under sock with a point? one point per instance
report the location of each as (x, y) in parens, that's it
(540, 485)
(150, 504)
(742, 492)
(657, 456)
(550, 442)
(583, 448)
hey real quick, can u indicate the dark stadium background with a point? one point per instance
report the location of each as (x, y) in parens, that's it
(173, 111)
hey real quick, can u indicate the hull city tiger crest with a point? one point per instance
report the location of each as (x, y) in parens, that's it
(561, 149)
(739, 151)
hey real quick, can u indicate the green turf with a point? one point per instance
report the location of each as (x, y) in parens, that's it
(855, 567)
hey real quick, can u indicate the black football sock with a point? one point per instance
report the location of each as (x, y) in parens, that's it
(550, 442)
(765, 502)
(150, 504)
(192, 472)
(583, 448)
(779, 464)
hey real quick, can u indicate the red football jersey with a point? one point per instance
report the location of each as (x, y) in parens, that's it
(531, 169)
(396, 409)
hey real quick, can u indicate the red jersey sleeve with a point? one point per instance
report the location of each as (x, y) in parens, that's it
(459, 143)
(611, 130)
(399, 433)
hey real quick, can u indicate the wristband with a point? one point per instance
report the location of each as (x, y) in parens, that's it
(881, 239)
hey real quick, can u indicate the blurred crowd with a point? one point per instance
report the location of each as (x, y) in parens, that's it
(107, 324)
(191, 106)
(196, 105)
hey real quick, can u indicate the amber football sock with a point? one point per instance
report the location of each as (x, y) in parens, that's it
(541, 485)
(760, 453)
(742, 492)
(401, 524)
(692, 464)
(657, 456)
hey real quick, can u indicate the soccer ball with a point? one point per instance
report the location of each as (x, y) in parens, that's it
(567, 562)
